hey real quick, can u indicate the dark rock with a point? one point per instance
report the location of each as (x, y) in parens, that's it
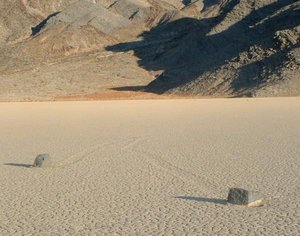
(240, 196)
(42, 160)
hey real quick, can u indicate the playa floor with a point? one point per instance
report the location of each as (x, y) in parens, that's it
(155, 167)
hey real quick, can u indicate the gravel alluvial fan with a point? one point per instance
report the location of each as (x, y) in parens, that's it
(204, 47)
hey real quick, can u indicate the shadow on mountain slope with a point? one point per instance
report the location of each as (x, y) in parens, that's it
(188, 50)
(186, 2)
(35, 30)
(209, 3)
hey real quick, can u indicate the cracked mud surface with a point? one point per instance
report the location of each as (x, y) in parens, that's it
(159, 167)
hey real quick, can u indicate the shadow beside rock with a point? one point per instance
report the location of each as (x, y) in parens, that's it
(203, 199)
(18, 165)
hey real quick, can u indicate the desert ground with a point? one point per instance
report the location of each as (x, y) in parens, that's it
(150, 167)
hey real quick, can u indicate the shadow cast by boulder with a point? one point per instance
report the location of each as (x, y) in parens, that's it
(18, 165)
(203, 199)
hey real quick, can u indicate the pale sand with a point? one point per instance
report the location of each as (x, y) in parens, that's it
(156, 167)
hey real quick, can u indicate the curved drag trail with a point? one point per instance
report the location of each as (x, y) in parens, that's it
(150, 167)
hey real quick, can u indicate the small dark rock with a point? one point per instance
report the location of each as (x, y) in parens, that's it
(42, 160)
(240, 196)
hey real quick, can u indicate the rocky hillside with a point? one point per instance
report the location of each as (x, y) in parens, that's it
(50, 49)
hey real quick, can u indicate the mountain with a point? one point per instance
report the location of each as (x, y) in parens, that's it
(69, 48)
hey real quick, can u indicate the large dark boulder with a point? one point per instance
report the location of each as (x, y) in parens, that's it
(241, 196)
